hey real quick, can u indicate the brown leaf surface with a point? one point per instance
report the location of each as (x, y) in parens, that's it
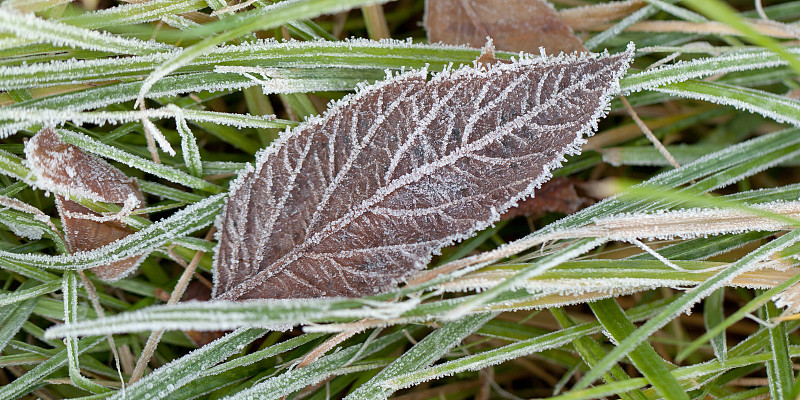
(513, 25)
(67, 170)
(351, 203)
(561, 195)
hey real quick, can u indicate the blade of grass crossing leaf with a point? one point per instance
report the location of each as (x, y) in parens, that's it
(644, 357)
(424, 353)
(170, 229)
(722, 12)
(168, 192)
(685, 302)
(779, 108)
(591, 353)
(713, 315)
(779, 369)
(160, 170)
(70, 292)
(573, 250)
(266, 18)
(35, 377)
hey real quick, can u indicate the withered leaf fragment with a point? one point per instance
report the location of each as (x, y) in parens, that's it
(67, 170)
(352, 202)
(513, 25)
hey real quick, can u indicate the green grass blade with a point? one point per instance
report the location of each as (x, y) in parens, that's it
(19, 295)
(424, 353)
(33, 378)
(644, 357)
(263, 19)
(180, 372)
(28, 26)
(779, 108)
(779, 369)
(686, 301)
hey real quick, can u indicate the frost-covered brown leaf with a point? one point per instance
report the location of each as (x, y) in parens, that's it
(69, 171)
(513, 25)
(352, 202)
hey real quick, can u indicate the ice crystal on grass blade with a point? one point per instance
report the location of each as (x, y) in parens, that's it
(351, 203)
(68, 171)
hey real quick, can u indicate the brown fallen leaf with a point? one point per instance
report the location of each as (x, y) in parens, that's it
(69, 171)
(561, 195)
(513, 25)
(352, 202)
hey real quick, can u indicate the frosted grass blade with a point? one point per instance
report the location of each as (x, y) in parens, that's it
(644, 357)
(298, 378)
(262, 19)
(20, 295)
(491, 357)
(28, 26)
(13, 316)
(598, 40)
(703, 67)
(722, 12)
(69, 290)
(779, 108)
(423, 354)
(33, 378)
(346, 59)
(189, 149)
(222, 315)
(779, 369)
(163, 171)
(173, 376)
(182, 223)
(134, 13)
(49, 117)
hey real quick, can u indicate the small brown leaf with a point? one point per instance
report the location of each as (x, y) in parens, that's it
(69, 171)
(561, 195)
(351, 203)
(513, 25)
